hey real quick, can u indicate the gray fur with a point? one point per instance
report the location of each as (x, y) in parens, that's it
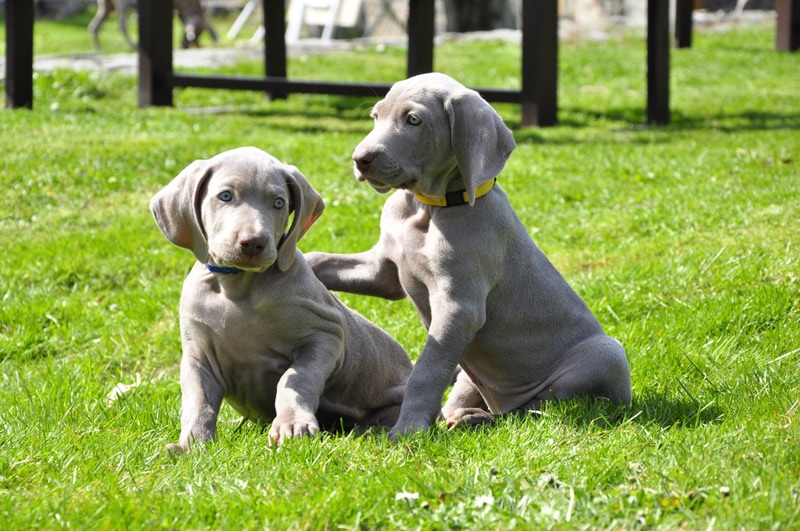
(489, 298)
(271, 340)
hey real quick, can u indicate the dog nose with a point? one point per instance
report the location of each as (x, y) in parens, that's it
(252, 245)
(363, 159)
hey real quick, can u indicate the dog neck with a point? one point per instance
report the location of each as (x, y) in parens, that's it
(224, 270)
(455, 198)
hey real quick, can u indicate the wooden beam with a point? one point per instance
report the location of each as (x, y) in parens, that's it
(275, 44)
(420, 36)
(155, 52)
(658, 62)
(787, 37)
(539, 93)
(683, 23)
(19, 54)
(288, 86)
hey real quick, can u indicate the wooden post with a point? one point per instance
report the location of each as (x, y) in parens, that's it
(155, 52)
(275, 43)
(420, 36)
(539, 62)
(787, 37)
(683, 23)
(19, 54)
(658, 62)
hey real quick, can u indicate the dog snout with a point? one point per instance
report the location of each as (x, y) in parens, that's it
(252, 244)
(363, 159)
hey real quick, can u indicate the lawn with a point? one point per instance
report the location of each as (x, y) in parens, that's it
(682, 239)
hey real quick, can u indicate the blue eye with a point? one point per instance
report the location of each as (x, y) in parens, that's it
(225, 196)
(279, 202)
(413, 119)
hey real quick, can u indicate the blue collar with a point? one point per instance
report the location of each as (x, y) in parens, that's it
(224, 270)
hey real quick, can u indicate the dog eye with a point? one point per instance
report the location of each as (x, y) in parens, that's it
(279, 202)
(225, 196)
(413, 119)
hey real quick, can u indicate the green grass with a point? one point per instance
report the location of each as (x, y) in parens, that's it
(682, 239)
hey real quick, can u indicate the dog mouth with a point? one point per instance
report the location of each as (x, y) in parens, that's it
(382, 187)
(250, 267)
(242, 266)
(379, 187)
(256, 264)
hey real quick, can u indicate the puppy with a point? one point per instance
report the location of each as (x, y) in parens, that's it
(194, 23)
(258, 329)
(189, 11)
(450, 241)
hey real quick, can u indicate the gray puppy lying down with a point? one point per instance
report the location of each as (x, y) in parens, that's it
(258, 329)
(450, 241)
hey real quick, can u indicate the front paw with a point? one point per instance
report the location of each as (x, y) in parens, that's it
(293, 425)
(464, 417)
(401, 430)
(177, 449)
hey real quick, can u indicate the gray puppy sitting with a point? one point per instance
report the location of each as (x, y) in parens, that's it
(451, 241)
(258, 329)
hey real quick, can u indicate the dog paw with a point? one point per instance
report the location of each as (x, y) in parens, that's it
(293, 428)
(466, 417)
(398, 432)
(176, 449)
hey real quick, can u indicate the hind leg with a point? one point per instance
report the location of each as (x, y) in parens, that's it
(465, 405)
(104, 8)
(597, 367)
(123, 7)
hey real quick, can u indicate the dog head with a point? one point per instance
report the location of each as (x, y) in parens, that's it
(432, 135)
(232, 210)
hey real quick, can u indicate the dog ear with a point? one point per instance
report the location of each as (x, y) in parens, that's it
(308, 206)
(480, 140)
(176, 209)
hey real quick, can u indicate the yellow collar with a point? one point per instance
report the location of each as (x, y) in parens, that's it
(455, 198)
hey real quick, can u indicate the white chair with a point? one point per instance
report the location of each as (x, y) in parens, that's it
(297, 17)
(240, 21)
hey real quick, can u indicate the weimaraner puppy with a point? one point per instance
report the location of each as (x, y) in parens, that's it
(450, 240)
(189, 11)
(258, 329)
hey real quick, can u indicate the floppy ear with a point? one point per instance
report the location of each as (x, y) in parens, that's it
(308, 206)
(480, 140)
(176, 208)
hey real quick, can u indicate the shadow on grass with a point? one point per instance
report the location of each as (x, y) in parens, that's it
(298, 112)
(355, 112)
(584, 414)
(634, 122)
(653, 410)
(737, 121)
